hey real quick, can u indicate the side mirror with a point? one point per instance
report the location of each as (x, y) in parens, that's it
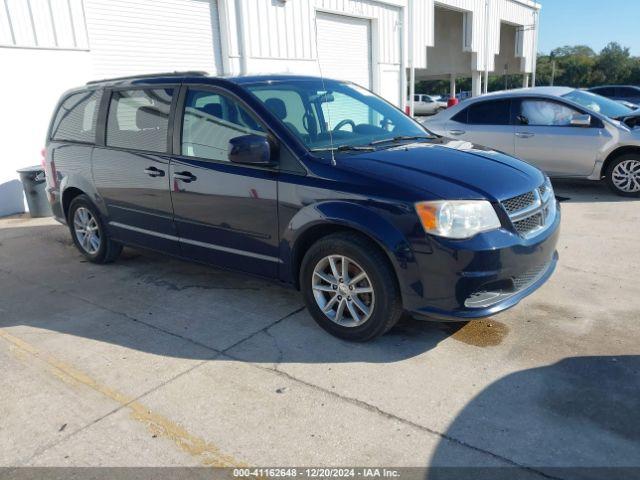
(250, 150)
(583, 120)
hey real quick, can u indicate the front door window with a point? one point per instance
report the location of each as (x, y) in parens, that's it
(210, 121)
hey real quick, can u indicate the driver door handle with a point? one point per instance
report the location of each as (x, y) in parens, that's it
(186, 177)
(457, 132)
(525, 134)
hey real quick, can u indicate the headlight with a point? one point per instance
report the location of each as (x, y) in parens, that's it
(457, 219)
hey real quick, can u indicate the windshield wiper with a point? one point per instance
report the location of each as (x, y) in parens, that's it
(346, 148)
(402, 138)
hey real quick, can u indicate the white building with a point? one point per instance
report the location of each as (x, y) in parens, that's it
(48, 46)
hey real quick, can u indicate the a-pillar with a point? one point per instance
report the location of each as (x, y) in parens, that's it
(476, 84)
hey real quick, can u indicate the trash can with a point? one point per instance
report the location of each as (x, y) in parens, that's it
(34, 184)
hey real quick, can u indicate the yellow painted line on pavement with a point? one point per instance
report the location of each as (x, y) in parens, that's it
(207, 453)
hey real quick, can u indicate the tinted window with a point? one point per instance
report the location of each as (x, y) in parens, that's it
(77, 117)
(604, 91)
(461, 116)
(626, 92)
(139, 119)
(210, 120)
(546, 113)
(490, 113)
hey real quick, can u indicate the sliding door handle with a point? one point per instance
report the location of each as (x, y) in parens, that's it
(154, 172)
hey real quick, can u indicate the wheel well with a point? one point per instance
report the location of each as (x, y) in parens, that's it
(312, 235)
(68, 195)
(617, 153)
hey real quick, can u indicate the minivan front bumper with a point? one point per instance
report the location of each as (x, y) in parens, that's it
(481, 276)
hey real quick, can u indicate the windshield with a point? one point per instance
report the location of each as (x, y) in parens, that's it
(598, 104)
(330, 114)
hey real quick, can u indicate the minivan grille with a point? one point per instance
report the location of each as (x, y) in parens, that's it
(528, 224)
(520, 202)
(530, 212)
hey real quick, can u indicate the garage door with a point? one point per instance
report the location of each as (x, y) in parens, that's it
(344, 48)
(141, 36)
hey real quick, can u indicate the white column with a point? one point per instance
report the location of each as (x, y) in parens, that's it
(476, 83)
(452, 85)
(525, 80)
(412, 64)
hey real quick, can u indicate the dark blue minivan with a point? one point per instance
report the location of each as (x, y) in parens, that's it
(315, 183)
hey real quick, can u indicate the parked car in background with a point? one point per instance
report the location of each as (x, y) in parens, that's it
(565, 132)
(621, 93)
(428, 104)
(314, 183)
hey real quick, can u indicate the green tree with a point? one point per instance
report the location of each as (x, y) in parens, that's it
(574, 65)
(614, 64)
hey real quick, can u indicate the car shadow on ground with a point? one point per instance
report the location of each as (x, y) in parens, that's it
(577, 418)
(156, 304)
(586, 191)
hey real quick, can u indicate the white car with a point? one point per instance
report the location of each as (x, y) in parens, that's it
(563, 131)
(427, 104)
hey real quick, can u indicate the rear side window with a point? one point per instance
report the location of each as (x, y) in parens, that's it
(76, 118)
(496, 112)
(139, 119)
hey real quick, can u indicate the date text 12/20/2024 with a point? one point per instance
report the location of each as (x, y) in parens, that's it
(316, 472)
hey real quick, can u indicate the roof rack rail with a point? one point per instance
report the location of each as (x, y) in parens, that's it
(194, 73)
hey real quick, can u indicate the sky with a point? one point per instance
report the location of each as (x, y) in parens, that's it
(589, 22)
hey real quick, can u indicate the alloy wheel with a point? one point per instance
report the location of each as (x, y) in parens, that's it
(86, 230)
(343, 291)
(626, 176)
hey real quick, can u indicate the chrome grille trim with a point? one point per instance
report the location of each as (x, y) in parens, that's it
(520, 202)
(531, 212)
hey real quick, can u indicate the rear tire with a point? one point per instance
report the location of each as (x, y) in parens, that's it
(623, 175)
(89, 233)
(358, 305)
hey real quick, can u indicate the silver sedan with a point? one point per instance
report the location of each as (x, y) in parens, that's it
(565, 132)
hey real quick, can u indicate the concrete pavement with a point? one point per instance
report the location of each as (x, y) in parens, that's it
(152, 361)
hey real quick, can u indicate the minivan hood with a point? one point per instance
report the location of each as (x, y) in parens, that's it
(449, 169)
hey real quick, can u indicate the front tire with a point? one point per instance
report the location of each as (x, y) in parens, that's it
(623, 175)
(350, 288)
(88, 232)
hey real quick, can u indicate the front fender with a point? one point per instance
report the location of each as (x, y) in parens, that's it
(375, 222)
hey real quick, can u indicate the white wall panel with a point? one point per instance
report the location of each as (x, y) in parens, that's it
(352, 63)
(281, 36)
(141, 36)
(27, 105)
(43, 24)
